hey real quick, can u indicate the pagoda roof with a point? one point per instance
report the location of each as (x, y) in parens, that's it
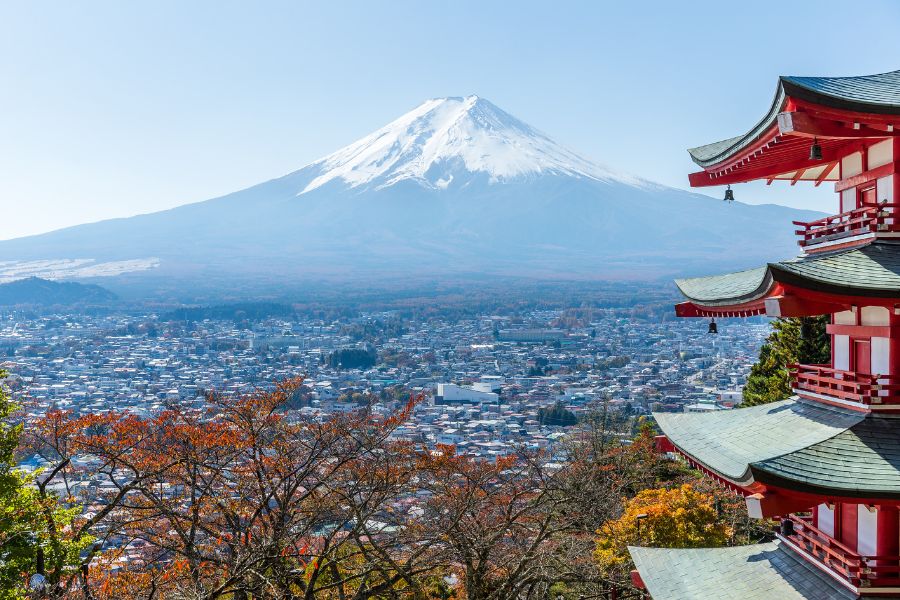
(727, 289)
(862, 461)
(839, 111)
(871, 270)
(795, 444)
(729, 442)
(752, 572)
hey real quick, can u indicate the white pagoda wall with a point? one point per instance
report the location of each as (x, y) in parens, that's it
(880, 154)
(867, 530)
(825, 519)
(851, 165)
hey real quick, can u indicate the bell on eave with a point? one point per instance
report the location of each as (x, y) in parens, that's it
(713, 328)
(729, 195)
(815, 151)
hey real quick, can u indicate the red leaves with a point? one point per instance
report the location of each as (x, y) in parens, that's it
(217, 495)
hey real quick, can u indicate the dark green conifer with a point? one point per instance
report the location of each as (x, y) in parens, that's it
(793, 340)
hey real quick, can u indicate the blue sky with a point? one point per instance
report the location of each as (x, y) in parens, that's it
(110, 109)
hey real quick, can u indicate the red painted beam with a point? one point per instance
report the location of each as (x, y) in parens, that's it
(871, 175)
(839, 299)
(663, 445)
(773, 504)
(747, 309)
(798, 306)
(838, 114)
(803, 124)
(797, 159)
(869, 331)
(825, 173)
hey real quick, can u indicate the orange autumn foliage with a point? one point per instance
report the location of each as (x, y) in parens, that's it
(680, 517)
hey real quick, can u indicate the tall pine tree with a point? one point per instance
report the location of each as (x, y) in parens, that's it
(793, 340)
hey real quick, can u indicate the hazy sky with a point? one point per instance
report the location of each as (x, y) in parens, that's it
(110, 109)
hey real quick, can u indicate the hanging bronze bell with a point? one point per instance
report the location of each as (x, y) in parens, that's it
(713, 328)
(815, 151)
(729, 195)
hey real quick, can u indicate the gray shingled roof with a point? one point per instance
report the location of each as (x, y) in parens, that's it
(795, 443)
(731, 288)
(870, 93)
(755, 572)
(872, 270)
(878, 94)
(729, 442)
(864, 460)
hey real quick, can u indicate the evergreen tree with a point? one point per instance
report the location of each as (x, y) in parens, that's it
(18, 508)
(793, 340)
(557, 416)
(36, 534)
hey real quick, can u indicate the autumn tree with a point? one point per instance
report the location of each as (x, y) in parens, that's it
(493, 522)
(236, 501)
(680, 517)
(604, 464)
(247, 499)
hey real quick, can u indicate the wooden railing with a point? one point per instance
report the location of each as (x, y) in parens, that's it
(863, 388)
(859, 570)
(881, 217)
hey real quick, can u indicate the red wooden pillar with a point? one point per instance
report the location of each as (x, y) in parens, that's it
(849, 535)
(831, 342)
(888, 536)
(896, 178)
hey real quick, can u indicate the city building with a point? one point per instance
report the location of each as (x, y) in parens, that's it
(531, 336)
(826, 462)
(448, 393)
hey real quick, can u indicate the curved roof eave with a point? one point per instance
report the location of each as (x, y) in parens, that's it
(762, 475)
(711, 154)
(871, 271)
(875, 94)
(728, 289)
(728, 443)
(750, 572)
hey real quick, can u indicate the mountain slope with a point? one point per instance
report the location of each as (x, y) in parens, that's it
(446, 142)
(41, 292)
(456, 186)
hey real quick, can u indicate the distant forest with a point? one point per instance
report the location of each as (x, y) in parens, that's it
(243, 311)
(353, 358)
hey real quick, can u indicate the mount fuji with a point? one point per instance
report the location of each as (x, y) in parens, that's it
(454, 187)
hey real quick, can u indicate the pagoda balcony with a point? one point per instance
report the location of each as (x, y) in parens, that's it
(859, 570)
(858, 224)
(848, 386)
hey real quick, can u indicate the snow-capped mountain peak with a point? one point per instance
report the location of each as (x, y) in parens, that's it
(446, 141)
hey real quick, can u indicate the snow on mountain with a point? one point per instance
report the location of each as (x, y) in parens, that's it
(455, 187)
(444, 138)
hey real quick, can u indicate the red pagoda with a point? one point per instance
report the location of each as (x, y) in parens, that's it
(825, 462)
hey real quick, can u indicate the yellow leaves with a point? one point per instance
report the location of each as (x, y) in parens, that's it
(668, 518)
